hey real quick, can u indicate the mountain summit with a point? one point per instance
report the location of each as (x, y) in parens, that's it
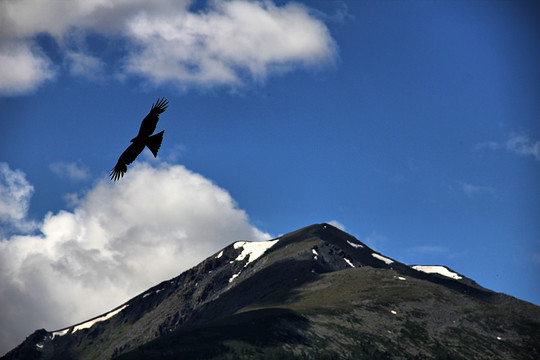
(316, 293)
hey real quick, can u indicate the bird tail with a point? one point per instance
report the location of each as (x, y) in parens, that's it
(154, 142)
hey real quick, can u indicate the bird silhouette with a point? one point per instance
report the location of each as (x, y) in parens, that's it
(143, 138)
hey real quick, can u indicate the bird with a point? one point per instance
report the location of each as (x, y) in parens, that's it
(143, 138)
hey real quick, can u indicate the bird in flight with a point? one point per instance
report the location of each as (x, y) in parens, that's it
(143, 138)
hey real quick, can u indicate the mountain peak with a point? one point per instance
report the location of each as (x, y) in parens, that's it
(316, 291)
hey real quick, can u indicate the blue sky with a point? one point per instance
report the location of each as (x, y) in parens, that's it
(412, 125)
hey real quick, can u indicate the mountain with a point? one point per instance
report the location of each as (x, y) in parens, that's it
(316, 293)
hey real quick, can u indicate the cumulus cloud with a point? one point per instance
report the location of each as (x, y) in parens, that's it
(223, 44)
(15, 194)
(71, 171)
(233, 37)
(23, 68)
(120, 239)
(26, 18)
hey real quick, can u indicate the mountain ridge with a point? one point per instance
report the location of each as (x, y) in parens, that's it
(290, 292)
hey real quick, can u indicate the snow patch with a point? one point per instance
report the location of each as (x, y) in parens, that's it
(354, 245)
(59, 333)
(155, 292)
(393, 312)
(314, 252)
(90, 323)
(220, 254)
(234, 277)
(349, 262)
(253, 249)
(401, 278)
(382, 258)
(437, 269)
(39, 346)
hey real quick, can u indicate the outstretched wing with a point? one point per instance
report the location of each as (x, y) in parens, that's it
(149, 123)
(128, 156)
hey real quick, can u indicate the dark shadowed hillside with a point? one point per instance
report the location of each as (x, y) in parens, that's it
(316, 293)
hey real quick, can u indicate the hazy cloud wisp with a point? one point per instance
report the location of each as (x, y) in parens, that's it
(517, 143)
(471, 190)
(71, 171)
(522, 144)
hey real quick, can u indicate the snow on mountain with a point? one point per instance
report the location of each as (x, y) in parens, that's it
(253, 249)
(355, 245)
(60, 333)
(250, 249)
(437, 269)
(90, 323)
(234, 276)
(349, 262)
(382, 258)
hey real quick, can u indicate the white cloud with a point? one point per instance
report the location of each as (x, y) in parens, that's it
(337, 224)
(119, 240)
(166, 42)
(15, 194)
(517, 143)
(233, 37)
(23, 68)
(69, 170)
(471, 190)
(26, 18)
(523, 145)
(84, 65)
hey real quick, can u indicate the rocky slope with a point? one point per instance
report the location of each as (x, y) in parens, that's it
(316, 293)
